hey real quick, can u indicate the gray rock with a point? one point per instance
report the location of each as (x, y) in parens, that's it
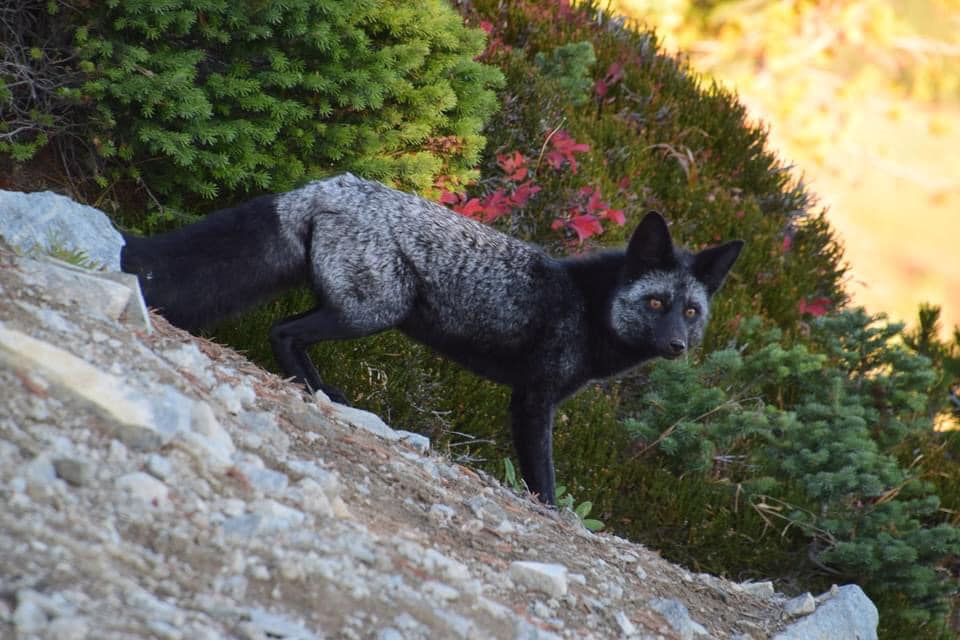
(848, 614)
(68, 628)
(207, 439)
(762, 590)
(550, 579)
(227, 396)
(158, 466)
(142, 421)
(152, 607)
(276, 516)
(261, 428)
(626, 625)
(75, 471)
(44, 220)
(144, 490)
(678, 617)
(441, 514)
(29, 617)
(85, 289)
(242, 526)
(263, 479)
(525, 630)
(278, 626)
(419, 442)
(365, 420)
(310, 495)
(800, 606)
(485, 509)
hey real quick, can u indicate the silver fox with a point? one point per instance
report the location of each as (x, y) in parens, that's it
(377, 259)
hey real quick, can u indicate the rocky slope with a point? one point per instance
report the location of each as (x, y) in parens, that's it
(158, 485)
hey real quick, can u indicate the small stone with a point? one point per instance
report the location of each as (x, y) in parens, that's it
(74, 471)
(188, 357)
(265, 480)
(678, 617)
(550, 579)
(626, 625)
(144, 489)
(68, 628)
(277, 626)
(313, 498)
(29, 617)
(441, 514)
(440, 591)
(242, 526)
(208, 437)
(276, 516)
(226, 396)
(800, 606)
(40, 472)
(418, 442)
(762, 590)
(159, 466)
(365, 420)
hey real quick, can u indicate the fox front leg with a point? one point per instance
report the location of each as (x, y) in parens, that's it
(532, 426)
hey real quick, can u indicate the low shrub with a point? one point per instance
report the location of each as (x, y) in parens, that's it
(207, 100)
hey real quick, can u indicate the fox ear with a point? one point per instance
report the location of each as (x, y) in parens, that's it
(650, 247)
(711, 266)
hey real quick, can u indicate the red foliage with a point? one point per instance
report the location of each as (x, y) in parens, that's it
(585, 225)
(816, 307)
(613, 76)
(564, 148)
(514, 166)
(585, 219)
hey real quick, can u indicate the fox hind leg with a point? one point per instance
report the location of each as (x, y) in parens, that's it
(291, 336)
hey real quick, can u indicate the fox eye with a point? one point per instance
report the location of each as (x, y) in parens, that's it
(656, 304)
(690, 312)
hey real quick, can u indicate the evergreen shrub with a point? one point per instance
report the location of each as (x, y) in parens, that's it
(808, 436)
(206, 99)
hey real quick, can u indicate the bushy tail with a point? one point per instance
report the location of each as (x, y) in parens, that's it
(205, 272)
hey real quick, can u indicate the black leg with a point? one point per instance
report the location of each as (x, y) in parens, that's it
(290, 338)
(532, 425)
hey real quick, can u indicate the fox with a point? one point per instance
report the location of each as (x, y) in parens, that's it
(377, 259)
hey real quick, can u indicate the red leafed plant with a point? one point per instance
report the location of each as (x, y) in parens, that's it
(585, 218)
(815, 307)
(563, 149)
(614, 75)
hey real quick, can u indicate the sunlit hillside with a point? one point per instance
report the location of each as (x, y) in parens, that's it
(864, 98)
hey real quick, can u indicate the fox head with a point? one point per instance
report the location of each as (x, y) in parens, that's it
(663, 298)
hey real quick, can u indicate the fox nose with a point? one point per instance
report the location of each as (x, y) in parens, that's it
(677, 346)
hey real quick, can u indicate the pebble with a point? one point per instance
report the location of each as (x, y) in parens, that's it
(74, 471)
(159, 466)
(678, 616)
(801, 605)
(550, 579)
(144, 489)
(29, 617)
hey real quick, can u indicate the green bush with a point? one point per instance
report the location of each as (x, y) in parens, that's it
(214, 99)
(812, 432)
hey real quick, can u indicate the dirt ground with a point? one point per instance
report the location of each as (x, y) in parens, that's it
(103, 540)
